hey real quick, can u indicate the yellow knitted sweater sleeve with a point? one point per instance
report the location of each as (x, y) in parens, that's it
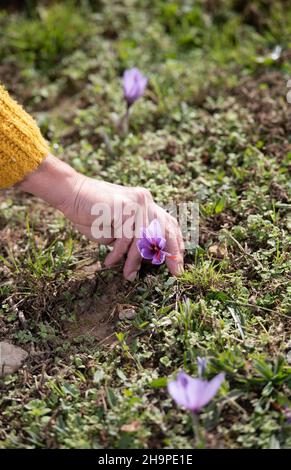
(22, 147)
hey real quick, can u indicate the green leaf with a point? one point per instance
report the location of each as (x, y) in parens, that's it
(98, 376)
(220, 204)
(161, 382)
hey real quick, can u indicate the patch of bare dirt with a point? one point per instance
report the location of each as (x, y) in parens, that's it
(97, 314)
(265, 97)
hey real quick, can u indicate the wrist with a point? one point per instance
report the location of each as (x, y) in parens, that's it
(54, 181)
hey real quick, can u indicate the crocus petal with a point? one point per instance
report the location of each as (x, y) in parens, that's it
(196, 390)
(191, 393)
(211, 389)
(153, 233)
(129, 79)
(159, 257)
(145, 252)
(145, 240)
(146, 233)
(134, 84)
(151, 244)
(177, 392)
(154, 229)
(161, 243)
(133, 89)
(143, 83)
(191, 389)
(287, 414)
(183, 378)
(186, 391)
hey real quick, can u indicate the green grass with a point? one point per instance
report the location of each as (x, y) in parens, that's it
(194, 136)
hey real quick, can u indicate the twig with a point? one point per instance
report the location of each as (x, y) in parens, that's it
(258, 307)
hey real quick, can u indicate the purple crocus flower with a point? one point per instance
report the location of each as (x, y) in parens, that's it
(134, 84)
(194, 394)
(287, 413)
(151, 243)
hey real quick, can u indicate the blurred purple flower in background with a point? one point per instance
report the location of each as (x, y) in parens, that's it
(152, 243)
(194, 394)
(287, 414)
(134, 85)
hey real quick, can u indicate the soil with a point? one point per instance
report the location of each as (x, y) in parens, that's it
(97, 314)
(265, 97)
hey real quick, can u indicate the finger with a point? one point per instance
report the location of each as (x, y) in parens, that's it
(133, 262)
(174, 246)
(120, 248)
(85, 230)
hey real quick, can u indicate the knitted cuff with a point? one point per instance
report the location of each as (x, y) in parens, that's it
(22, 147)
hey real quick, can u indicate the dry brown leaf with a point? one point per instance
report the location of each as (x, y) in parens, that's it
(218, 251)
(131, 427)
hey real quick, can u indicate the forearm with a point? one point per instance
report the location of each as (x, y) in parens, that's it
(54, 181)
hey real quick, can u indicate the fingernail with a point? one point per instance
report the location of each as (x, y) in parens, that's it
(131, 277)
(180, 268)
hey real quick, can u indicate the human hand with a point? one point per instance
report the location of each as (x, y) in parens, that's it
(89, 192)
(75, 195)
